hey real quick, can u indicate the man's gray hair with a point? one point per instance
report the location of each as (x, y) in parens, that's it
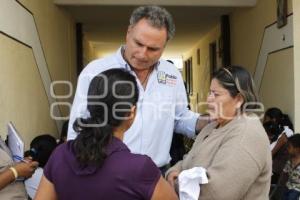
(157, 16)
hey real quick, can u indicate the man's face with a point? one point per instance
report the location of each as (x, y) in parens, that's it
(144, 44)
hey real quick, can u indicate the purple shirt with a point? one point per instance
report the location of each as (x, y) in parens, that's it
(123, 175)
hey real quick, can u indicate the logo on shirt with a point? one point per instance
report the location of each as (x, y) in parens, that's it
(165, 78)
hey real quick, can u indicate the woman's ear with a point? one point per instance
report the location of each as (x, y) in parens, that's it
(240, 101)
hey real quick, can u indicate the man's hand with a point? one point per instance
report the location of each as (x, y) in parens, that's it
(202, 121)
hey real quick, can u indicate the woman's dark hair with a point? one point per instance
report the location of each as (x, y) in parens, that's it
(41, 148)
(275, 114)
(273, 130)
(64, 132)
(111, 95)
(237, 80)
(294, 140)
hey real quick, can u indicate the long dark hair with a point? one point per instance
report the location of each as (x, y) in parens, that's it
(111, 95)
(275, 114)
(294, 140)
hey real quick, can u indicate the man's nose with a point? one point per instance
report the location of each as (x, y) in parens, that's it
(143, 52)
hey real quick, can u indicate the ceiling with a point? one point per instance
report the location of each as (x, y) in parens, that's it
(105, 22)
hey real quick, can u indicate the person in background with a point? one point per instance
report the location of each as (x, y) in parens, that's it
(292, 169)
(279, 159)
(10, 187)
(162, 100)
(41, 148)
(285, 124)
(97, 164)
(234, 149)
(273, 131)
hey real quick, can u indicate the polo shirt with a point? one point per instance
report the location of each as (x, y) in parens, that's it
(161, 108)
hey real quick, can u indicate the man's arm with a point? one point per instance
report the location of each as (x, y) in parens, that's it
(187, 122)
(202, 121)
(79, 106)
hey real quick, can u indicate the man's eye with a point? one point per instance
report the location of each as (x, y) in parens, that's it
(152, 49)
(139, 44)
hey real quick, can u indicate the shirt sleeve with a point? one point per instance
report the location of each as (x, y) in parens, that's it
(147, 178)
(79, 106)
(49, 169)
(185, 120)
(176, 167)
(236, 166)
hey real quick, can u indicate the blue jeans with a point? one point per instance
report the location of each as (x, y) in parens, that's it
(291, 195)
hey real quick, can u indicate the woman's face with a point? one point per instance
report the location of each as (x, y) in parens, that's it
(268, 118)
(221, 106)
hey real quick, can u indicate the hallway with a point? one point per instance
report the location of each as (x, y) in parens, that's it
(46, 58)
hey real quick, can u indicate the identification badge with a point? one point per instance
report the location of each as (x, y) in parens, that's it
(161, 77)
(164, 78)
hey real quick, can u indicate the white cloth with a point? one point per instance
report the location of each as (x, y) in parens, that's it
(272, 145)
(33, 182)
(161, 108)
(288, 132)
(189, 183)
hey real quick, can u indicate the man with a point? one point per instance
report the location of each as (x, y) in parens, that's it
(162, 105)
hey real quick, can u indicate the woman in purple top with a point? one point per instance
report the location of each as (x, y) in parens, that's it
(97, 164)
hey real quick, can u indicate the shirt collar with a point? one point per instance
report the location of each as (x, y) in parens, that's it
(120, 58)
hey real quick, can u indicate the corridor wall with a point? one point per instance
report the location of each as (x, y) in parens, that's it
(88, 52)
(24, 98)
(296, 75)
(201, 72)
(247, 31)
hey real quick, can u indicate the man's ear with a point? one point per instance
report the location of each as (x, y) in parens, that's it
(128, 31)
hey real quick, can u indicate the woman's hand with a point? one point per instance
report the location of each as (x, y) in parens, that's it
(26, 169)
(171, 178)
